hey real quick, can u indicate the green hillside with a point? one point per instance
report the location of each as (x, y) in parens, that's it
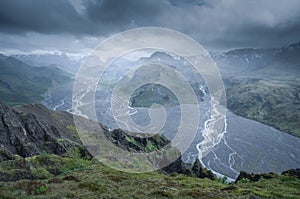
(274, 103)
(71, 177)
(21, 83)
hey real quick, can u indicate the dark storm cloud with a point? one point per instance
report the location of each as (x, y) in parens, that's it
(60, 16)
(189, 2)
(257, 35)
(218, 24)
(120, 12)
(40, 16)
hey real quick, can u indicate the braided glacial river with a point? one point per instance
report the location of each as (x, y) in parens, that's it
(243, 145)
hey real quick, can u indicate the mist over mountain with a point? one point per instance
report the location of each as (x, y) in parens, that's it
(99, 99)
(63, 61)
(261, 63)
(53, 132)
(22, 83)
(263, 85)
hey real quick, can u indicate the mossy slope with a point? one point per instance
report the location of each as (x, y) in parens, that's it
(79, 178)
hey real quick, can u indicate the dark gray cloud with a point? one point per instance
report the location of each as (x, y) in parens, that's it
(217, 24)
(61, 16)
(119, 13)
(40, 16)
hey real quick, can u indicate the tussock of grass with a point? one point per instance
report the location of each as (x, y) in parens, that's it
(78, 178)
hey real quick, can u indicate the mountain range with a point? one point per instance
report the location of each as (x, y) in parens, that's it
(264, 85)
(68, 63)
(269, 63)
(41, 149)
(21, 83)
(261, 84)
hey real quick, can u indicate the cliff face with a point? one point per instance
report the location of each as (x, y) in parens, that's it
(29, 130)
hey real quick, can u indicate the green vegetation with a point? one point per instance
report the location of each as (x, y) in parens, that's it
(153, 143)
(273, 103)
(72, 128)
(22, 84)
(79, 178)
(150, 94)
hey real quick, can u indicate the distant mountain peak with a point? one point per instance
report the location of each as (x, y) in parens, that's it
(294, 45)
(160, 53)
(14, 60)
(2, 56)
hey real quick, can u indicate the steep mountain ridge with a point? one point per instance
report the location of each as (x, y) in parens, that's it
(29, 130)
(22, 83)
(32, 129)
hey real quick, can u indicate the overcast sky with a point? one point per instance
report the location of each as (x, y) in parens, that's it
(76, 26)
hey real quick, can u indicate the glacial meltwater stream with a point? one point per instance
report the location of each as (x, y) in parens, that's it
(244, 145)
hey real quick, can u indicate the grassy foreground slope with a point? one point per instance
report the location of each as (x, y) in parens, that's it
(72, 177)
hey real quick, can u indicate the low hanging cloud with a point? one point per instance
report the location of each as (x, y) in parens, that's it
(217, 24)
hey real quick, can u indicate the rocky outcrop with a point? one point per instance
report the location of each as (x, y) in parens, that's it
(190, 169)
(136, 142)
(29, 130)
(6, 155)
(254, 177)
(251, 177)
(292, 172)
(133, 142)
